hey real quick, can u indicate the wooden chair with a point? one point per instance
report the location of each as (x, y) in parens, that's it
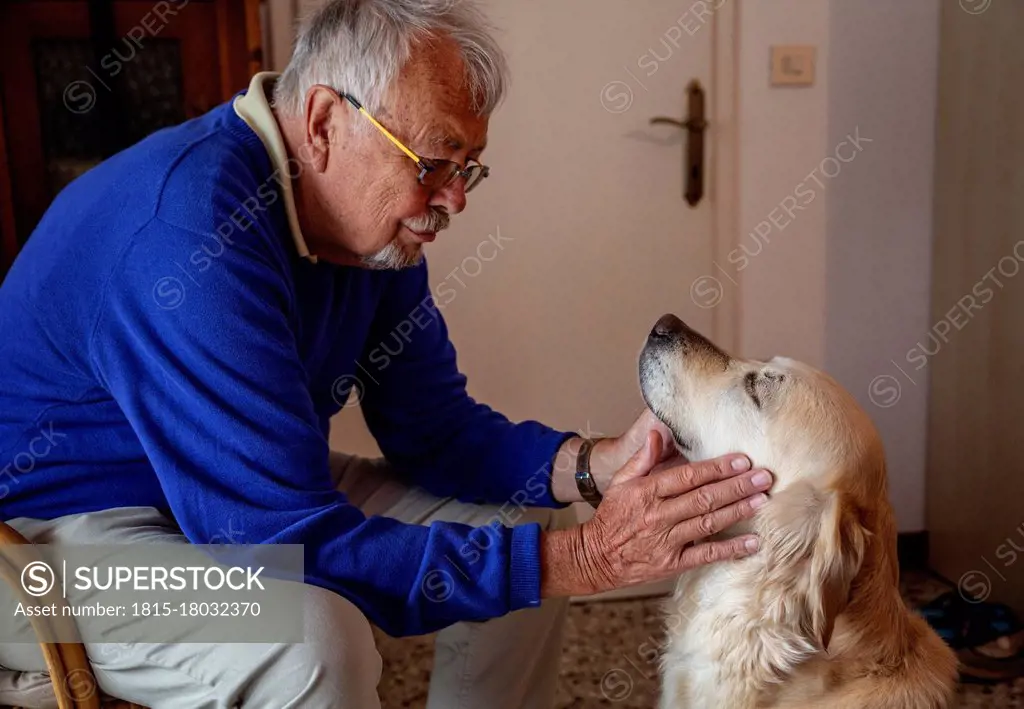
(73, 680)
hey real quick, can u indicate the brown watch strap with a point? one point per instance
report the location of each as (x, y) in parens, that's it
(584, 480)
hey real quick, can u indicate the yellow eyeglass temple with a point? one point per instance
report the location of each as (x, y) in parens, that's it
(381, 128)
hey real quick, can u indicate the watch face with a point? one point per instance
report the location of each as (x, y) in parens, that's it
(584, 480)
(587, 487)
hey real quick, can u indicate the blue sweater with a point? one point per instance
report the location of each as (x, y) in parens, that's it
(161, 346)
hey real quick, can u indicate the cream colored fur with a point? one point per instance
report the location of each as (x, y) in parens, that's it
(815, 619)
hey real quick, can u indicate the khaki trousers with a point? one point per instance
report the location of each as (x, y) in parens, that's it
(506, 663)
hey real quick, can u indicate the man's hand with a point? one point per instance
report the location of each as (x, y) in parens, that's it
(610, 454)
(647, 525)
(607, 457)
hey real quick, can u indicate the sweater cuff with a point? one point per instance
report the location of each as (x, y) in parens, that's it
(545, 451)
(524, 574)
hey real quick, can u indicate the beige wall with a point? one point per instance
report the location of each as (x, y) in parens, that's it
(975, 478)
(783, 134)
(883, 76)
(844, 284)
(280, 15)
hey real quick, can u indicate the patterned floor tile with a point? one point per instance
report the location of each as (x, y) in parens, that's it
(609, 659)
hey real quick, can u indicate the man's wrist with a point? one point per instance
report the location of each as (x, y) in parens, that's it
(564, 570)
(604, 462)
(563, 471)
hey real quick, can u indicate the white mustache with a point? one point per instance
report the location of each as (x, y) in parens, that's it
(433, 221)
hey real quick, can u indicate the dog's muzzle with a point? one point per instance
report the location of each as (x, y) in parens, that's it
(669, 328)
(672, 333)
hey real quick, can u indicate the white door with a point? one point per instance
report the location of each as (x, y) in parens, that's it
(596, 238)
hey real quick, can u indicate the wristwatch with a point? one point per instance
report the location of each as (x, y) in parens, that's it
(584, 480)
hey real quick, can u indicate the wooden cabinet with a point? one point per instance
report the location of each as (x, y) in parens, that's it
(83, 79)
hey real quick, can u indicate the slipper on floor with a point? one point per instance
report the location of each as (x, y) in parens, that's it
(964, 624)
(1001, 660)
(946, 616)
(987, 637)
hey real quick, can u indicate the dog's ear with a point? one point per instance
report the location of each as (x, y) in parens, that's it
(814, 547)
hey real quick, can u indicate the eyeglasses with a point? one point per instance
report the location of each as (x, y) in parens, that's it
(434, 174)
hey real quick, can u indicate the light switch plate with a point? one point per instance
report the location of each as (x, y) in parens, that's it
(793, 65)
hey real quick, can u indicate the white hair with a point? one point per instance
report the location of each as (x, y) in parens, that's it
(359, 47)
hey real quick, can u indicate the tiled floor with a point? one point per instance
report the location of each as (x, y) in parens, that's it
(606, 661)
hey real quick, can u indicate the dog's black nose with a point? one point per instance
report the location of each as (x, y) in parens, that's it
(668, 327)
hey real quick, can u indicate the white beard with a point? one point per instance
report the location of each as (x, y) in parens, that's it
(394, 256)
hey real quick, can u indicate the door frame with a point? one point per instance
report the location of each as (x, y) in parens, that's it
(8, 236)
(230, 26)
(725, 163)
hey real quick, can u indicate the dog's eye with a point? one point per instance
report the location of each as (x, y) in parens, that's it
(750, 384)
(762, 385)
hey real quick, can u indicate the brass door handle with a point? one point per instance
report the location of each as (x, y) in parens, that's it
(695, 125)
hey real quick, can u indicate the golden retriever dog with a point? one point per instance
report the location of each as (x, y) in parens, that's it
(815, 618)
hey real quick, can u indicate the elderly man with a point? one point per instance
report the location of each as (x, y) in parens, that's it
(188, 316)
